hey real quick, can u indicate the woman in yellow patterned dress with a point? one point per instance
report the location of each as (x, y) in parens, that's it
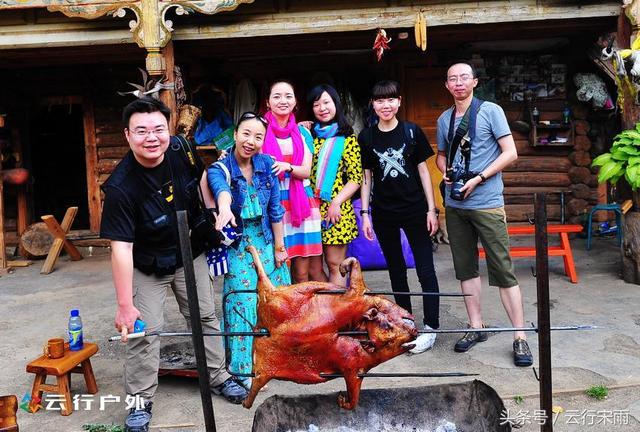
(336, 174)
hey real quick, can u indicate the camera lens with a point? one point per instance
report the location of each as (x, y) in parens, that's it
(455, 193)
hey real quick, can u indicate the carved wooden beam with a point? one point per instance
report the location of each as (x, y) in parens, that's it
(632, 10)
(150, 27)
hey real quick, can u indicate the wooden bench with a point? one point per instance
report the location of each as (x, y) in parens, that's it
(62, 368)
(564, 250)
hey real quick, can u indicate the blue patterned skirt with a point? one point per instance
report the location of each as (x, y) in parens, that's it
(240, 309)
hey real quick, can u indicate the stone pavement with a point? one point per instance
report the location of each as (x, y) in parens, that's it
(34, 308)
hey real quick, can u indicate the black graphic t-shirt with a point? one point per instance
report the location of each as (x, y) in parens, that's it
(139, 208)
(393, 158)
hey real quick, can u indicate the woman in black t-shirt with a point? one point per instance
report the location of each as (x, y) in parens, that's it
(396, 177)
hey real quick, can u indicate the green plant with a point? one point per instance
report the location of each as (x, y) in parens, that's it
(598, 392)
(622, 160)
(518, 399)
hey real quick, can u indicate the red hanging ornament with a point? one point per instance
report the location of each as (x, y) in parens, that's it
(381, 43)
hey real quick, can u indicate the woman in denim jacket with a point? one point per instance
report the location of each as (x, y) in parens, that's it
(247, 194)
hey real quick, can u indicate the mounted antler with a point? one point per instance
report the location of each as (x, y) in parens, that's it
(149, 87)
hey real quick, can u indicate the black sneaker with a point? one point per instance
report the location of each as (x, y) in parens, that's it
(521, 353)
(466, 342)
(138, 420)
(231, 391)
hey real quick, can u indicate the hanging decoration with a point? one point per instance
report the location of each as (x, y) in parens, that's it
(420, 30)
(149, 87)
(626, 62)
(381, 43)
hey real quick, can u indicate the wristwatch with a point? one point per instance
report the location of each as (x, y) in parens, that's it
(280, 248)
(484, 179)
(365, 211)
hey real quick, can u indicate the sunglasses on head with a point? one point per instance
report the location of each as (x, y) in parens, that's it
(251, 115)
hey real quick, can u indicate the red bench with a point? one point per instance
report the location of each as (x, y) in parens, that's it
(564, 250)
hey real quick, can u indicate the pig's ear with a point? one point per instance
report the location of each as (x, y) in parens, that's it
(371, 314)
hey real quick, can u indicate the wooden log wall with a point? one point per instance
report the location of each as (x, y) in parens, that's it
(110, 141)
(551, 169)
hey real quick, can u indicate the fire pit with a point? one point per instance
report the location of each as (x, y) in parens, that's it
(464, 407)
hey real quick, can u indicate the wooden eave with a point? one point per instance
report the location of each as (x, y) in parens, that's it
(41, 29)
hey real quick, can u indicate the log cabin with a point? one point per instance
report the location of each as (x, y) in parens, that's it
(62, 64)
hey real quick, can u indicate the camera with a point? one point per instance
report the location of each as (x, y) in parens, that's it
(205, 230)
(458, 178)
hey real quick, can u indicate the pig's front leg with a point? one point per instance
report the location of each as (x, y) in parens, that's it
(259, 381)
(350, 400)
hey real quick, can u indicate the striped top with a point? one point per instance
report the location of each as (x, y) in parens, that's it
(304, 240)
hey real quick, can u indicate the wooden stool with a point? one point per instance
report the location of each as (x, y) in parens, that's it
(71, 362)
(59, 232)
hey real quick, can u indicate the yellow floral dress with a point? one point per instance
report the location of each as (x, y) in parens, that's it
(349, 168)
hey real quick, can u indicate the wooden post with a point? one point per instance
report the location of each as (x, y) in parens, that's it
(625, 34)
(91, 159)
(544, 318)
(22, 190)
(169, 96)
(631, 113)
(3, 251)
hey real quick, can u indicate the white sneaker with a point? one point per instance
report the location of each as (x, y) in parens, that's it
(423, 342)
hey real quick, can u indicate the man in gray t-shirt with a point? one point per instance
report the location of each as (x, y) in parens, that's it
(480, 214)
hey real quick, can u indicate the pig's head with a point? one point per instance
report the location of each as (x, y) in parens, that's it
(390, 328)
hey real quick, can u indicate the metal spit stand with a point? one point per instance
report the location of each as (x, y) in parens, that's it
(544, 319)
(543, 329)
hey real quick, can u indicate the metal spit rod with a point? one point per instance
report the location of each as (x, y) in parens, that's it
(403, 375)
(420, 294)
(265, 333)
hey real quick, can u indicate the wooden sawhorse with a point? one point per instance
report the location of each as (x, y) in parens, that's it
(564, 250)
(59, 232)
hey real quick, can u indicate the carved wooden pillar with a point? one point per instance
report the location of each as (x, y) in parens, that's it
(626, 36)
(630, 116)
(169, 96)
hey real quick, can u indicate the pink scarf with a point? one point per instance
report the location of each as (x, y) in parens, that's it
(299, 202)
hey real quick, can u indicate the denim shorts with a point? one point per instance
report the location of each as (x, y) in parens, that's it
(465, 227)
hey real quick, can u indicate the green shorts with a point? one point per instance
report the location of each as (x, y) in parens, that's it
(490, 226)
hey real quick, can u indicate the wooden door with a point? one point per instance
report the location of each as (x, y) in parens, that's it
(425, 98)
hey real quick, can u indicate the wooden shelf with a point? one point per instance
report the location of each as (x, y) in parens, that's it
(547, 131)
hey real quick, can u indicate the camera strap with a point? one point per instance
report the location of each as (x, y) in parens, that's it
(176, 183)
(464, 133)
(191, 160)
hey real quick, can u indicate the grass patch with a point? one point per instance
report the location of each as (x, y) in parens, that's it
(518, 399)
(598, 392)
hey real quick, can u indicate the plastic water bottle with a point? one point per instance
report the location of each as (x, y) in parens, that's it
(75, 331)
(566, 115)
(536, 115)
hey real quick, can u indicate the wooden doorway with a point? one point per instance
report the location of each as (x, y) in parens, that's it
(63, 159)
(425, 99)
(58, 162)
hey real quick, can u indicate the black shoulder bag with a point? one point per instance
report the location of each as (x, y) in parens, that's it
(464, 135)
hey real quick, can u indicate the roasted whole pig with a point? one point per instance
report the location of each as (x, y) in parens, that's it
(304, 326)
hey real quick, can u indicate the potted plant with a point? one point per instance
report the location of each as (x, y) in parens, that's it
(623, 160)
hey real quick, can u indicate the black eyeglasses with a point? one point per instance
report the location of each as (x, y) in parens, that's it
(251, 115)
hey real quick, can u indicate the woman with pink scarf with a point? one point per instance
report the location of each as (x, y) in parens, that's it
(292, 147)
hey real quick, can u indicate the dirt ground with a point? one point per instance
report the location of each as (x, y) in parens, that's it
(34, 308)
